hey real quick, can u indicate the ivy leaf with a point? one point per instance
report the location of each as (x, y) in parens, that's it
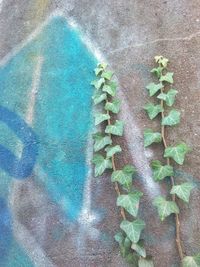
(172, 119)
(101, 164)
(160, 171)
(110, 88)
(102, 65)
(177, 152)
(147, 262)
(119, 238)
(113, 106)
(101, 141)
(154, 88)
(157, 71)
(183, 191)
(98, 98)
(133, 229)
(139, 248)
(190, 261)
(168, 77)
(165, 208)
(132, 258)
(115, 129)
(169, 97)
(98, 83)
(153, 110)
(107, 75)
(98, 71)
(130, 202)
(162, 60)
(151, 137)
(112, 150)
(99, 118)
(124, 176)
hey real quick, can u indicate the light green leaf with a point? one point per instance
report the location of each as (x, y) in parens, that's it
(147, 262)
(139, 248)
(177, 152)
(119, 238)
(113, 106)
(183, 191)
(98, 71)
(161, 171)
(115, 129)
(99, 118)
(107, 75)
(98, 83)
(190, 261)
(102, 65)
(162, 60)
(165, 208)
(101, 141)
(172, 119)
(101, 164)
(153, 110)
(154, 88)
(157, 71)
(112, 150)
(110, 88)
(168, 77)
(133, 229)
(124, 176)
(98, 98)
(130, 202)
(151, 137)
(169, 97)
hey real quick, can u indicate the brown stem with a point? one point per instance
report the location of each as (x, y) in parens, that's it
(178, 238)
(114, 168)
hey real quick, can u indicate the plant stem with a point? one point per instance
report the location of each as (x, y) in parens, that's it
(114, 169)
(178, 239)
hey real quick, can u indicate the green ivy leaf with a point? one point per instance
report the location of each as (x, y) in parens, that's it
(101, 164)
(98, 83)
(168, 77)
(124, 176)
(183, 191)
(98, 98)
(98, 71)
(157, 71)
(133, 229)
(165, 208)
(113, 106)
(172, 119)
(112, 150)
(107, 75)
(119, 238)
(110, 88)
(115, 129)
(153, 110)
(100, 117)
(102, 65)
(162, 60)
(177, 152)
(130, 202)
(151, 137)
(169, 97)
(147, 262)
(101, 141)
(154, 88)
(190, 261)
(139, 248)
(160, 171)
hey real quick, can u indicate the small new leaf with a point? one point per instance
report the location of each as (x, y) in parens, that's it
(162, 60)
(101, 141)
(107, 75)
(153, 110)
(110, 88)
(115, 129)
(190, 261)
(124, 176)
(139, 248)
(169, 97)
(98, 71)
(133, 229)
(98, 83)
(151, 137)
(130, 202)
(98, 98)
(99, 118)
(168, 77)
(157, 71)
(177, 152)
(154, 88)
(147, 262)
(113, 106)
(101, 164)
(102, 65)
(172, 119)
(112, 150)
(161, 171)
(183, 191)
(164, 207)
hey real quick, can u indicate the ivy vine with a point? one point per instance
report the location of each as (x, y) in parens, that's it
(165, 95)
(128, 198)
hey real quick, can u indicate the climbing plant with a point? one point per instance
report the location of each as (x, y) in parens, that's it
(128, 197)
(165, 95)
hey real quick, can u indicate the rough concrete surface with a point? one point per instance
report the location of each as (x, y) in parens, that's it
(128, 34)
